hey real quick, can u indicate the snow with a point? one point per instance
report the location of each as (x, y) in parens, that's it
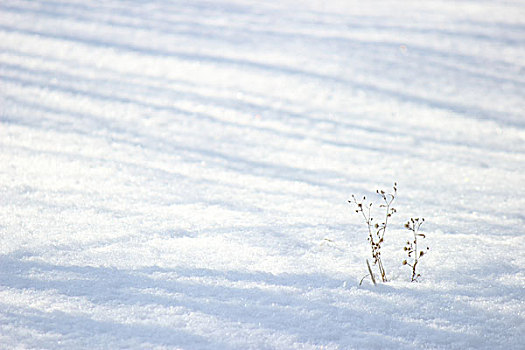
(175, 174)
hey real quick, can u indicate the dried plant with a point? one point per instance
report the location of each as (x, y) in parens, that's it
(411, 247)
(376, 230)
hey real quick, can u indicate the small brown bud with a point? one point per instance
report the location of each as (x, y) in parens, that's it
(404, 262)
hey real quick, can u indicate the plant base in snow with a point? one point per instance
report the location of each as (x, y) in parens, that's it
(370, 273)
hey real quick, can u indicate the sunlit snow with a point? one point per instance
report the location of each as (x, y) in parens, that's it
(175, 174)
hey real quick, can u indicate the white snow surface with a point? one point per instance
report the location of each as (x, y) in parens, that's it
(175, 174)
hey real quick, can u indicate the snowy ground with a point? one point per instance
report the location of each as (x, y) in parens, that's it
(174, 174)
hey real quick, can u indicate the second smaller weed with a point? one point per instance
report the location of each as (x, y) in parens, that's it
(411, 247)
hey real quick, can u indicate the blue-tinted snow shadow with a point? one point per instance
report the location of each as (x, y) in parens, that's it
(301, 306)
(83, 123)
(79, 330)
(197, 152)
(127, 94)
(159, 21)
(468, 111)
(64, 82)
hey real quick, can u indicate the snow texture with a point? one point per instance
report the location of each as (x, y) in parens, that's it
(175, 174)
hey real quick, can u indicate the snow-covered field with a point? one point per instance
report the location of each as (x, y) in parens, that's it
(175, 174)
